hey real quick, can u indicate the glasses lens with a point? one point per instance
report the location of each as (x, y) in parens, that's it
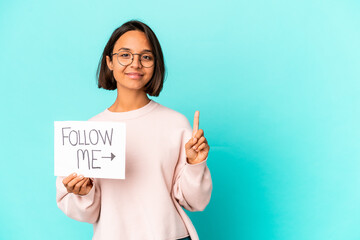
(147, 60)
(124, 58)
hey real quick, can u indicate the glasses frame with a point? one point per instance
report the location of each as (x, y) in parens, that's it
(132, 58)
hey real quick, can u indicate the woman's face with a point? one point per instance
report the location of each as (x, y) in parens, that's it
(133, 76)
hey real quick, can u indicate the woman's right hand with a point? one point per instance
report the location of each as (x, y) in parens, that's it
(79, 185)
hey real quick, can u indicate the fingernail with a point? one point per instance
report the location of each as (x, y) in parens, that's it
(81, 176)
(194, 147)
(194, 139)
(74, 174)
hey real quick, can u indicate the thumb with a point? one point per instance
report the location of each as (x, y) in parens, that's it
(191, 143)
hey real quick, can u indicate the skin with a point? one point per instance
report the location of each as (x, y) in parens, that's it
(197, 148)
(130, 96)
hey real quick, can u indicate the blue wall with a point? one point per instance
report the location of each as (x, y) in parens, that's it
(276, 82)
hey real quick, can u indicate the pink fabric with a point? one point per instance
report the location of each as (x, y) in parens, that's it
(147, 204)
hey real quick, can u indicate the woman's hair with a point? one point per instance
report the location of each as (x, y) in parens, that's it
(105, 76)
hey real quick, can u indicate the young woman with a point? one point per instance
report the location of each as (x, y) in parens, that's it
(165, 159)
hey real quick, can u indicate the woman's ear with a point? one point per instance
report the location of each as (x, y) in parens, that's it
(109, 63)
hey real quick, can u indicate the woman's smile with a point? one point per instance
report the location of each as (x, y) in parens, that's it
(134, 75)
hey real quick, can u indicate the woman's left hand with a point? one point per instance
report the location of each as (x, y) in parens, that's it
(197, 147)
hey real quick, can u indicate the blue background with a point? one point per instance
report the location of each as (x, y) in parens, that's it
(276, 83)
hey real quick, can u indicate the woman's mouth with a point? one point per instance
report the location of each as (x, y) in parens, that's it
(134, 75)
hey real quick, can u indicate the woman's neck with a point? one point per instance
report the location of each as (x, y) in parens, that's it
(129, 100)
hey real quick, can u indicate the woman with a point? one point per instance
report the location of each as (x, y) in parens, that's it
(165, 159)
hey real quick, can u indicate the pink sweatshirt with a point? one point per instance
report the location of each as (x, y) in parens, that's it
(147, 204)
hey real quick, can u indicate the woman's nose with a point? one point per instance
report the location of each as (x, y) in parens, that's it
(136, 62)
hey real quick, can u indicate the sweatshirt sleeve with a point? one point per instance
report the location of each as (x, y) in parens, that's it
(84, 208)
(192, 184)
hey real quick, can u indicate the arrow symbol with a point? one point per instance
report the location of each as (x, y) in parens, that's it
(112, 156)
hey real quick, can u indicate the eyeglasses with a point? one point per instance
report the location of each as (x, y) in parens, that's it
(125, 58)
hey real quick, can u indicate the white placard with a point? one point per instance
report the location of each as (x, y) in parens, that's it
(91, 148)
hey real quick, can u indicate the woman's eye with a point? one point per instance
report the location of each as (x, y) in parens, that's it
(147, 57)
(124, 55)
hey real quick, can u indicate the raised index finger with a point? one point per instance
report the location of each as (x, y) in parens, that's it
(196, 123)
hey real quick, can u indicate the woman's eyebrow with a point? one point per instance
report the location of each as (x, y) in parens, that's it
(128, 49)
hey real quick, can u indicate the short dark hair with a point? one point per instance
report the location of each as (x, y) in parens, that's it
(105, 77)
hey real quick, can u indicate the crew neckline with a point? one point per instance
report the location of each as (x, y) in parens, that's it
(134, 113)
